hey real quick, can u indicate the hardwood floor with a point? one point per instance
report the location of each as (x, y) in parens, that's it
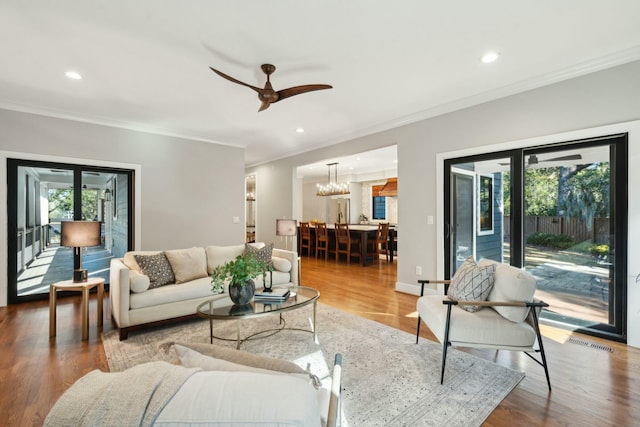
(591, 386)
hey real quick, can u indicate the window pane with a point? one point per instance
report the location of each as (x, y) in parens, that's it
(379, 207)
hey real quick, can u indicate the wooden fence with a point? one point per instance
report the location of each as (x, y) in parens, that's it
(574, 227)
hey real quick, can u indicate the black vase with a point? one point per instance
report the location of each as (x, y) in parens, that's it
(240, 294)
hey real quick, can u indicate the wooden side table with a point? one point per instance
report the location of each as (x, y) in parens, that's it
(85, 287)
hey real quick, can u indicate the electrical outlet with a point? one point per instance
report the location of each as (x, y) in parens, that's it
(418, 270)
(430, 220)
(236, 220)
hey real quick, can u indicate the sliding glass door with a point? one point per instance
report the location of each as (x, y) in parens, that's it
(558, 211)
(41, 196)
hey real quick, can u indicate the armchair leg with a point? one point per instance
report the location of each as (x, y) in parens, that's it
(418, 330)
(542, 355)
(445, 343)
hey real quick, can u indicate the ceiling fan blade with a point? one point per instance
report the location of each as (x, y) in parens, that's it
(221, 74)
(264, 106)
(297, 90)
(569, 157)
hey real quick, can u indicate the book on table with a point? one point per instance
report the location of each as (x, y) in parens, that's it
(277, 294)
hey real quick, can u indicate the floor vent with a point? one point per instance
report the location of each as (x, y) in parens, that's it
(590, 344)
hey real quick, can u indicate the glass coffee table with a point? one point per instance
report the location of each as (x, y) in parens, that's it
(225, 309)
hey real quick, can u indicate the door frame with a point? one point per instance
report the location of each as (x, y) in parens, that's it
(136, 201)
(618, 143)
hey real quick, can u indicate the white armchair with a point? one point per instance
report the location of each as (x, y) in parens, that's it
(507, 320)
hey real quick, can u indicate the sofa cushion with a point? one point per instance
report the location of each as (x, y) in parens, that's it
(274, 278)
(218, 255)
(471, 282)
(171, 293)
(130, 261)
(138, 282)
(281, 264)
(190, 358)
(512, 284)
(158, 269)
(245, 358)
(219, 398)
(263, 255)
(187, 264)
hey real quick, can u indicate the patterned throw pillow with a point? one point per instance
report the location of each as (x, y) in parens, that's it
(158, 269)
(472, 283)
(262, 255)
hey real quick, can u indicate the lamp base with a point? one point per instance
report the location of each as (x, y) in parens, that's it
(80, 276)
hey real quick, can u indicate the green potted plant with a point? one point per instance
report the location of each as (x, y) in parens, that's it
(240, 273)
(363, 219)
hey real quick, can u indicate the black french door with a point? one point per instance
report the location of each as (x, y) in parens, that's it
(41, 195)
(560, 212)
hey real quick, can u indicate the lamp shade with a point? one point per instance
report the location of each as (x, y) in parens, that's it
(286, 227)
(80, 234)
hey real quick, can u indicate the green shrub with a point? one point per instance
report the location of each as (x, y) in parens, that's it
(555, 241)
(599, 250)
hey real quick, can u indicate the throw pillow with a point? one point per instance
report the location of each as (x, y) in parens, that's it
(187, 264)
(512, 284)
(281, 264)
(192, 359)
(138, 282)
(158, 269)
(262, 255)
(471, 283)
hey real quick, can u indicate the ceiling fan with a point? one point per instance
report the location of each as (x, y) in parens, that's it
(269, 96)
(533, 159)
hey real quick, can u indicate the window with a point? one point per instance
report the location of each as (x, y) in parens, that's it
(485, 204)
(379, 207)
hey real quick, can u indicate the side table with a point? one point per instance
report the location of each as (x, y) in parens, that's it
(85, 287)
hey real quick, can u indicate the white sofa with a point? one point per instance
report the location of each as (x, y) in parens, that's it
(214, 387)
(134, 305)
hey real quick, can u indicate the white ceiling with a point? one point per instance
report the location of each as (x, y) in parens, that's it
(145, 62)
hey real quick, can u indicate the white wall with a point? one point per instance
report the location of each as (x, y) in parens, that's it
(598, 99)
(187, 193)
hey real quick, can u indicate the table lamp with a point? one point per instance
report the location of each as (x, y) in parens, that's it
(80, 234)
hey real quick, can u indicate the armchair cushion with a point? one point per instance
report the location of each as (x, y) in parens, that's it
(472, 282)
(485, 328)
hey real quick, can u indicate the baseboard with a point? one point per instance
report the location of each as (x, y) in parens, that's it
(407, 288)
(415, 289)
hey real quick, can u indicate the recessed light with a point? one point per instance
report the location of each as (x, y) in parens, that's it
(73, 75)
(300, 130)
(489, 57)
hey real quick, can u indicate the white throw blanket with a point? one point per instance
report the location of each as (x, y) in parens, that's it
(133, 397)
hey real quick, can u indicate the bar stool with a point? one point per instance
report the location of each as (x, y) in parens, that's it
(322, 236)
(306, 240)
(343, 237)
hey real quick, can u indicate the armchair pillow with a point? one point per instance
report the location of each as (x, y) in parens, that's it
(512, 284)
(471, 282)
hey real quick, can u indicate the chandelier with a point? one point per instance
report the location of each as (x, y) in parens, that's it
(333, 188)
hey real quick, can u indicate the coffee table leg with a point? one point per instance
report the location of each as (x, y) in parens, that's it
(314, 321)
(211, 331)
(238, 336)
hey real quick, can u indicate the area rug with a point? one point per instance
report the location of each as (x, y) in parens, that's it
(387, 379)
